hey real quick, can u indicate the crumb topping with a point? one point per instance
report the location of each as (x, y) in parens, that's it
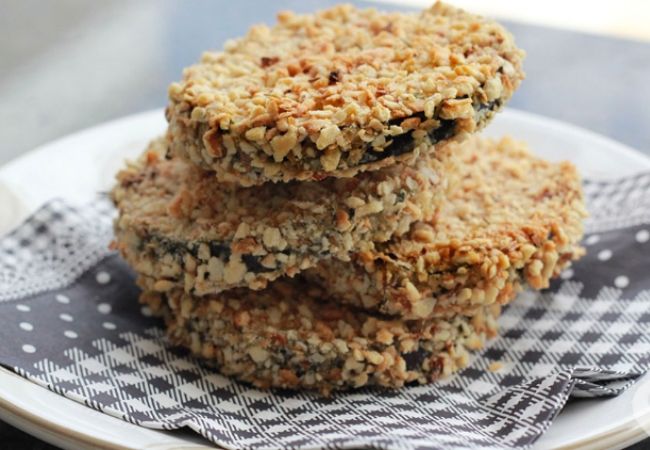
(177, 223)
(340, 90)
(290, 336)
(510, 219)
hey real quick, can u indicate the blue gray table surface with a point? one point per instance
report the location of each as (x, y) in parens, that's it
(70, 64)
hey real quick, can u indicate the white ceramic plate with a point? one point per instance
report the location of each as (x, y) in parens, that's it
(79, 166)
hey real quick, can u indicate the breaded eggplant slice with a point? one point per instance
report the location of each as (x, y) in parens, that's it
(513, 220)
(290, 336)
(178, 224)
(340, 91)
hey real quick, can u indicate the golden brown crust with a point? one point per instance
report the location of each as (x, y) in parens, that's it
(179, 224)
(511, 220)
(290, 336)
(340, 91)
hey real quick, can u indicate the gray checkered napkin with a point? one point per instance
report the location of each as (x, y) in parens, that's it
(69, 321)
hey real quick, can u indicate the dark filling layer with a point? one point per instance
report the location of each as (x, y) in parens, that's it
(404, 143)
(415, 359)
(218, 250)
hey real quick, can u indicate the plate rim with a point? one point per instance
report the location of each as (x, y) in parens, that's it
(22, 419)
(627, 433)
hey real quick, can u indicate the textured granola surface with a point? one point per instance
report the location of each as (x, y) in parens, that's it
(289, 336)
(179, 224)
(510, 220)
(340, 91)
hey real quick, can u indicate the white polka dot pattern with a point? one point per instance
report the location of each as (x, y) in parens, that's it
(605, 255)
(567, 274)
(103, 278)
(66, 317)
(621, 281)
(27, 348)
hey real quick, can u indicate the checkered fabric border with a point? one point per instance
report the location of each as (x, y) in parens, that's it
(71, 322)
(54, 247)
(618, 203)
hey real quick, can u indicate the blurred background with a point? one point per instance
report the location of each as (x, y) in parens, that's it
(70, 64)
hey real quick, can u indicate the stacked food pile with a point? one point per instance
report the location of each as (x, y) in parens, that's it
(320, 213)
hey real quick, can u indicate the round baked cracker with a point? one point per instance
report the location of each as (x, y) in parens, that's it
(288, 336)
(179, 224)
(340, 91)
(512, 220)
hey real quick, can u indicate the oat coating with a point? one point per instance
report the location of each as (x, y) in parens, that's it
(179, 224)
(512, 220)
(340, 91)
(289, 336)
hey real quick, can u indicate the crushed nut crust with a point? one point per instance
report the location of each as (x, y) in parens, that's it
(511, 220)
(340, 91)
(179, 224)
(288, 336)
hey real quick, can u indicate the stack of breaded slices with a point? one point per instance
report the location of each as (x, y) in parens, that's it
(321, 215)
